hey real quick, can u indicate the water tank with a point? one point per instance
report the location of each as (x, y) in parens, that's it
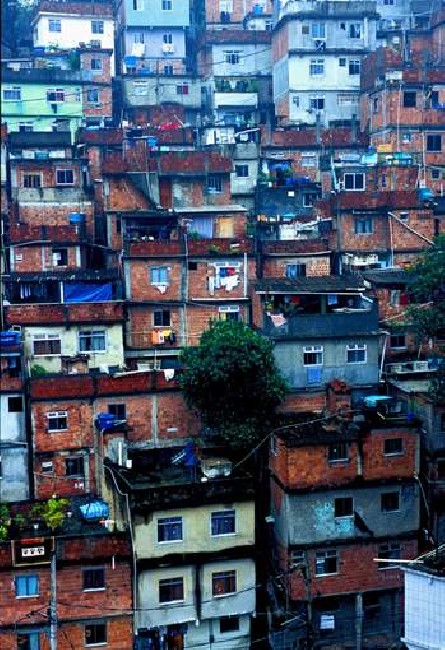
(77, 218)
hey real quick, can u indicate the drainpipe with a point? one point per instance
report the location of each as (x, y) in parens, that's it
(245, 275)
(385, 343)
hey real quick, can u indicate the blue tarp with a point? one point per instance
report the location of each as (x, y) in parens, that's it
(84, 292)
(9, 338)
(95, 510)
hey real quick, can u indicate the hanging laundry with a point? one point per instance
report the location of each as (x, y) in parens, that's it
(169, 373)
(162, 288)
(277, 319)
(230, 282)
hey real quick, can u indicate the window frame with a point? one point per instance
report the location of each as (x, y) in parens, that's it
(354, 176)
(94, 572)
(225, 515)
(343, 448)
(89, 98)
(97, 26)
(396, 344)
(234, 627)
(96, 626)
(228, 580)
(166, 583)
(161, 271)
(116, 407)
(240, 168)
(163, 316)
(366, 227)
(83, 335)
(313, 350)
(434, 143)
(355, 31)
(166, 5)
(97, 61)
(25, 580)
(385, 551)
(55, 95)
(163, 524)
(296, 270)
(354, 349)
(64, 172)
(31, 639)
(56, 416)
(32, 175)
(317, 67)
(343, 507)
(55, 22)
(388, 442)
(326, 556)
(412, 102)
(387, 496)
(14, 400)
(12, 89)
(232, 57)
(214, 183)
(317, 103)
(78, 463)
(50, 339)
(354, 67)
(182, 89)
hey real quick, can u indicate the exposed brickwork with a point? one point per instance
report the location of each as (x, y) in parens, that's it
(110, 312)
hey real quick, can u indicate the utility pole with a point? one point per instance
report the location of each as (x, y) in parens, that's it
(53, 605)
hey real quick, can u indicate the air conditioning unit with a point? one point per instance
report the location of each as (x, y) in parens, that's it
(421, 365)
(216, 467)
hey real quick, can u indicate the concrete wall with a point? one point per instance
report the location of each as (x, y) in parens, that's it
(151, 14)
(289, 358)
(12, 424)
(253, 59)
(14, 484)
(153, 41)
(310, 518)
(424, 598)
(196, 531)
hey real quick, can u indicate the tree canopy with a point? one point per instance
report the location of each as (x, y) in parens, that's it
(428, 318)
(232, 380)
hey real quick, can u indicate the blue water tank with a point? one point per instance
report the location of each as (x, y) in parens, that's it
(105, 420)
(77, 218)
(9, 338)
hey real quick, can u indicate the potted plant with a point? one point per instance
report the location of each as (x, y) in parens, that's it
(54, 512)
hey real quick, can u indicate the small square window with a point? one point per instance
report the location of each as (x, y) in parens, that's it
(171, 590)
(64, 177)
(92, 95)
(60, 256)
(313, 355)
(95, 633)
(192, 266)
(363, 226)
(344, 507)
(388, 551)
(326, 562)
(223, 583)
(435, 174)
(93, 579)
(316, 67)
(167, 5)
(214, 184)
(56, 95)
(168, 70)
(54, 25)
(57, 421)
(397, 341)
(15, 404)
(356, 354)
(167, 39)
(170, 529)
(434, 143)
(28, 641)
(409, 99)
(354, 67)
(354, 182)
(96, 64)
(355, 30)
(182, 89)
(295, 271)
(222, 523)
(390, 501)
(159, 275)
(26, 586)
(242, 171)
(297, 558)
(338, 451)
(31, 181)
(228, 624)
(92, 341)
(75, 466)
(161, 318)
(118, 410)
(393, 446)
(342, 62)
(97, 26)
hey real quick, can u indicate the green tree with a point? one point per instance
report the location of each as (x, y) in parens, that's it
(232, 380)
(428, 316)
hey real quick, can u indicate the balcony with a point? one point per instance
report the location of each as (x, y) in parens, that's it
(410, 368)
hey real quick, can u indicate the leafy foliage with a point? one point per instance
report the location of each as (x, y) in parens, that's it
(429, 289)
(232, 380)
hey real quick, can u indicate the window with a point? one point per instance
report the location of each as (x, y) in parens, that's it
(342, 62)
(356, 353)
(28, 641)
(15, 404)
(171, 590)
(158, 275)
(228, 624)
(363, 226)
(435, 174)
(170, 529)
(54, 25)
(192, 266)
(390, 501)
(92, 95)
(161, 318)
(226, 5)
(138, 5)
(354, 66)
(326, 562)
(393, 446)
(26, 127)
(355, 30)
(316, 67)
(347, 99)
(74, 466)
(232, 57)
(168, 70)
(31, 181)
(344, 507)
(318, 30)
(394, 297)
(60, 256)
(223, 583)
(118, 410)
(222, 523)
(313, 355)
(93, 578)
(214, 184)
(56, 95)
(397, 341)
(182, 89)
(434, 143)
(354, 182)
(167, 5)
(57, 420)
(390, 551)
(95, 633)
(64, 177)
(242, 171)
(406, 137)
(92, 341)
(46, 344)
(409, 99)
(13, 94)
(96, 64)
(308, 160)
(297, 558)
(316, 103)
(47, 467)
(26, 586)
(338, 451)
(97, 26)
(167, 39)
(229, 312)
(139, 39)
(295, 271)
